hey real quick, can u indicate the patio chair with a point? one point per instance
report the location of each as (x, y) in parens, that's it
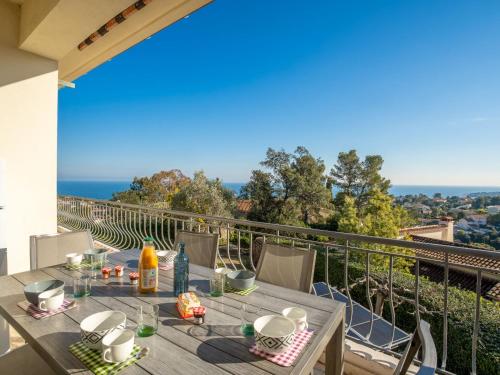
(285, 266)
(362, 319)
(24, 361)
(201, 248)
(49, 250)
(421, 338)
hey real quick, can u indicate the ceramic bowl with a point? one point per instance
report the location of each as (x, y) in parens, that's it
(94, 327)
(32, 291)
(100, 254)
(166, 257)
(274, 334)
(74, 259)
(241, 279)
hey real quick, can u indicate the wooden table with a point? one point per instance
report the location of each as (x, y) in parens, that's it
(217, 347)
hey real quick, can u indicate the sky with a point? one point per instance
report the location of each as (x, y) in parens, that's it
(415, 81)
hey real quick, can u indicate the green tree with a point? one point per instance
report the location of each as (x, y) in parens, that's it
(157, 190)
(292, 191)
(358, 179)
(204, 196)
(494, 220)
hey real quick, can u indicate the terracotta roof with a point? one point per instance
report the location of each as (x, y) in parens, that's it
(489, 288)
(423, 229)
(484, 263)
(244, 205)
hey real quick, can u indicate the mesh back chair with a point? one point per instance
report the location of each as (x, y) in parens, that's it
(49, 250)
(201, 248)
(285, 266)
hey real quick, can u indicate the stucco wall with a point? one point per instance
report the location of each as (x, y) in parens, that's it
(28, 140)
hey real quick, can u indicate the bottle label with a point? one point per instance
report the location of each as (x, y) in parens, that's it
(149, 276)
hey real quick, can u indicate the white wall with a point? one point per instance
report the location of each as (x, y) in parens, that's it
(28, 140)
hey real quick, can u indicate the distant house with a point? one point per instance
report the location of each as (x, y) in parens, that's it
(493, 210)
(463, 224)
(243, 207)
(477, 219)
(439, 200)
(418, 207)
(442, 231)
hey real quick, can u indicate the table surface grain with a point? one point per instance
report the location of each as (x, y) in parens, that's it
(216, 347)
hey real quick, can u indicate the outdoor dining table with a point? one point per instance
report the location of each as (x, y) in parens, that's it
(179, 346)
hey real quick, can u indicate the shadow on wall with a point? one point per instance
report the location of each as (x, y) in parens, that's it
(17, 65)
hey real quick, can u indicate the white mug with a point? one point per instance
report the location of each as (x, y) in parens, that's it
(51, 299)
(117, 345)
(298, 316)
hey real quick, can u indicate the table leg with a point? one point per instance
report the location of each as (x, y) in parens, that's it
(335, 351)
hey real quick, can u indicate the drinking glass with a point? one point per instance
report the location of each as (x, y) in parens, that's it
(96, 264)
(216, 286)
(249, 314)
(81, 287)
(147, 320)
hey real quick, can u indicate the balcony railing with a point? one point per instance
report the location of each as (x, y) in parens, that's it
(357, 268)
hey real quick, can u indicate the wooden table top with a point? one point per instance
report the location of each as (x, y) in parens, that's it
(216, 347)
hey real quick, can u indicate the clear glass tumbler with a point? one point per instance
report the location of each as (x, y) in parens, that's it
(248, 313)
(147, 320)
(96, 264)
(217, 286)
(81, 287)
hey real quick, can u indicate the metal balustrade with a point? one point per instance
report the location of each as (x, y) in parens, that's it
(123, 226)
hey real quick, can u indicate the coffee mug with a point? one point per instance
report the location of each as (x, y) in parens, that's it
(117, 345)
(299, 317)
(51, 299)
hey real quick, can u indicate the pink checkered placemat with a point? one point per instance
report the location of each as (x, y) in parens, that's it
(167, 267)
(286, 359)
(36, 313)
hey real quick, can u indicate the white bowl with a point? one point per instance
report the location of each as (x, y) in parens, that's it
(94, 327)
(74, 259)
(274, 334)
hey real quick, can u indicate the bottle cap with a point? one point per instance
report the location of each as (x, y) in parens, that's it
(148, 239)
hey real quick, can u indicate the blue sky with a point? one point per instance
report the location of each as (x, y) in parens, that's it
(417, 82)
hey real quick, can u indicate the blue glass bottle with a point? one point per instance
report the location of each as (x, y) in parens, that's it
(181, 271)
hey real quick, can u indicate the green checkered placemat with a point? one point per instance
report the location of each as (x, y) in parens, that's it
(92, 359)
(85, 264)
(244, 292)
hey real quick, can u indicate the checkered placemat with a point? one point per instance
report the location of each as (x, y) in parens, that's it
(93, 361)
(84, 265)
(286, 359)
(36, 313)
(245, 292)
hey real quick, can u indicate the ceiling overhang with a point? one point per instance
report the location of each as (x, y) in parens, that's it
(55, 28)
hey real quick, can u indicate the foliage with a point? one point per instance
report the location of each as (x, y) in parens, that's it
(494, 220)
(294, 189)
(157, 190)
(358, 179)
(461, 310)
(203, 196)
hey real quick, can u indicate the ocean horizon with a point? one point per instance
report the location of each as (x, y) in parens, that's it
(105, 189)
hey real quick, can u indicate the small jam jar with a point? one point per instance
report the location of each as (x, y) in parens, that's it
(134, 278)
(118, 271)
(106, 272)
(199, 314)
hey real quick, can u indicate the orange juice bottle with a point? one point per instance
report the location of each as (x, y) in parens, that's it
(148, 267)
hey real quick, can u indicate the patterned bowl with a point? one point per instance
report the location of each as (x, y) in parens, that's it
(274, 334)
(166, 257)
(94, 327)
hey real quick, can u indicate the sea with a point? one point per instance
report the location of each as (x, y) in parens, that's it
(105, 189)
